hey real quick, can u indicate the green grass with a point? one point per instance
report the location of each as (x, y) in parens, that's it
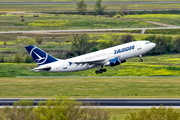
(52, 22)
(162, 65)
(55, 22)
(172, 19)
(95, 87)
(72, 7)
(76, 0)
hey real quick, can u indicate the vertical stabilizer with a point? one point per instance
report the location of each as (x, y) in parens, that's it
(39, 56)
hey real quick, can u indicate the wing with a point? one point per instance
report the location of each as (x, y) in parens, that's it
(93, 61)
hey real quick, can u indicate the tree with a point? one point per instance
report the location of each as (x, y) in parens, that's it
(68, 109)
(121, 11)
(163, 44)
(17, 58)
(24, 112)
(116, 40)
(177, 45)
(99, 8)
(126, 38)
(106, 44)
(81, 7)
(28, 59)
(60, 108)
(39, 39)
(81, 44)
(161, 113)
(2, 59)
(5, 43)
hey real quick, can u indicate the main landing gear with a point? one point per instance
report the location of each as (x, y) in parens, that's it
(100, 71)
(140, 60)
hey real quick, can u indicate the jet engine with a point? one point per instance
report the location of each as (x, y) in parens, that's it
(114, 62)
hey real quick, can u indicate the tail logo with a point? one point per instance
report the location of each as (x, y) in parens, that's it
(40, 59)
(39, 56)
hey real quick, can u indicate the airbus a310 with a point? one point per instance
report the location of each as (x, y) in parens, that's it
(107, 57)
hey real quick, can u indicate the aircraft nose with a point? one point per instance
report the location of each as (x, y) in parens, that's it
(153, 45)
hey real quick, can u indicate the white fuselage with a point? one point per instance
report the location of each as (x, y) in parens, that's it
(100, 58)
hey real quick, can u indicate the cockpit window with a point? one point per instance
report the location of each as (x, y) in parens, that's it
(148, 42)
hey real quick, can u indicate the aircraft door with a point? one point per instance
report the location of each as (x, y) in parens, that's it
(138, 45)
(110, 54)
(64, 64)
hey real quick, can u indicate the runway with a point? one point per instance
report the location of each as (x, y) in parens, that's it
(107, 102)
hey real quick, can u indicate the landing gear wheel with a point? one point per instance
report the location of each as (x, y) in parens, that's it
(141, 60)
(97, 71)
(100, 71)
(103, 70)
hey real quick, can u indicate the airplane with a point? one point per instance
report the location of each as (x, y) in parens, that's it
(107, 57)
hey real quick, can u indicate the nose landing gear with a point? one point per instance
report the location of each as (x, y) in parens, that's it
(100, 71)
(140, 60)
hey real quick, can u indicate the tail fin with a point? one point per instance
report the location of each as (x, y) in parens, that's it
(39, 56)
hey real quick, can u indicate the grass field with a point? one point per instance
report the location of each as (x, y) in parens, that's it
(162, 65)
(72, 7)
(53, 22)
(91, 87)
(95, 87)
(77, 0)
(172, 19)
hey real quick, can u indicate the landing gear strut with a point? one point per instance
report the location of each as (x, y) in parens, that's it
(140, 60)
(100, 71)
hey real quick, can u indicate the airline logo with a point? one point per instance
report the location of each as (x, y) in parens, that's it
(39, 56)
(39, 60)
(124, 49)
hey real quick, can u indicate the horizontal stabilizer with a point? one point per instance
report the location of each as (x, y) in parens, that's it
(47, 68)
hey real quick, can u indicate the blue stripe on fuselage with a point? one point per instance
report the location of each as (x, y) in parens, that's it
(124, 49)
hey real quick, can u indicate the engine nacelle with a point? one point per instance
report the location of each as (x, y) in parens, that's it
(114, 62)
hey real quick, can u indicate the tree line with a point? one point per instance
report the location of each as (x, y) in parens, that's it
(68, 109)
(164, 44)
(100, 10)
(82, 7)
(53, 109)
